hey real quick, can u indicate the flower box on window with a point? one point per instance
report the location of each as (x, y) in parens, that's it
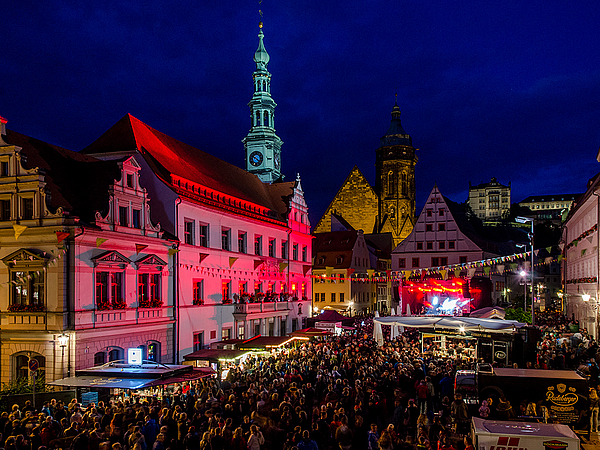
(198, 301)
(227, 301)
(151, 303)
(118, 304)
(17, 307)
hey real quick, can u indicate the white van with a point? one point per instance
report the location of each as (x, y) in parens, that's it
(502, 435)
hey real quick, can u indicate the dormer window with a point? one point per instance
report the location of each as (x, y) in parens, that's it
(4, 169)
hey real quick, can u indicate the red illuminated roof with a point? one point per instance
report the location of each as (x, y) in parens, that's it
(175, 162)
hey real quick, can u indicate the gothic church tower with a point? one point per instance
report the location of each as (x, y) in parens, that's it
(395, 180)
(262, 145)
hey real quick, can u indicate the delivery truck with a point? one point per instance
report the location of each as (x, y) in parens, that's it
(502, 435)
(564, 393)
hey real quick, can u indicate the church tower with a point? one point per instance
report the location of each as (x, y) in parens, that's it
(395, 180)
(262, 145)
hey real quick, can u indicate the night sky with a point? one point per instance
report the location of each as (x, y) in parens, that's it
(505, 89)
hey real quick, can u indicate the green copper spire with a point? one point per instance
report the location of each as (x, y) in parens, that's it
(262, 145)
(261, 57)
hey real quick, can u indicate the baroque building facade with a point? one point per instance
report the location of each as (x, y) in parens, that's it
(489, 201)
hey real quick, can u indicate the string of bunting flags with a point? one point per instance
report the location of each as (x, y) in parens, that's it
(582, 236)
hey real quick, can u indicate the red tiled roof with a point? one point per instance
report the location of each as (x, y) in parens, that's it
(170, 157)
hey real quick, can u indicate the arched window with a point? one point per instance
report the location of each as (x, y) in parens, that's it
(99, 358)
(21, 364)
(404, 184)
(266, 118)
(153, 351)
(257, 118)
(115, 354)
(391, 183)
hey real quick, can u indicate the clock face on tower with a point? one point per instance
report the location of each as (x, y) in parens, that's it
(256, 158)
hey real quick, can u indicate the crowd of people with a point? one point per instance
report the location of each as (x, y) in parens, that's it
(340, 392)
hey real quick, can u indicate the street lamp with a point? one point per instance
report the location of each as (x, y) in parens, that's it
(524, 275)
(62, 339)
(521, 219)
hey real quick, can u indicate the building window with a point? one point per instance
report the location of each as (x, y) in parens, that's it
(241, 331)
(441, 227)
(341, 297)
(5, 209)
(225, 334)
(4, 169)
(272, 248)
(109, 290)
(188, 231)
(136, 218)
(198, 341)
(435, 261)
(115, 354)
(295, 252)
(429, 227)
(99, 358)
(22, 364)
(429, 245)
(213, 334)
(443, 260)
(462, 259)
(258, 245)
(402, 263)
(415, 262)
(27, 208)
(129, 179)
(419, 246)
(451, 245)
(27, 288)
(123, 216)
(225, 238)
(441, 211)
(442, 245)
(333, 297)
(198, 293)
(226, 291)
(429, 212)
(153, 353)
(203, 235)
(242, 236)
(149, 290)
(304, 253)
(284, 249)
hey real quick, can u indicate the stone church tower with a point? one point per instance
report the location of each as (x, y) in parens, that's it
(262, 145)
(395, 180)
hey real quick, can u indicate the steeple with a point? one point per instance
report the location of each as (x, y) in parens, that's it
(395, 180)
(262, 145)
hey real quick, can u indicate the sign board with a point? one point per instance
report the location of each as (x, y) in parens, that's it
(134, 356)
(33, 365)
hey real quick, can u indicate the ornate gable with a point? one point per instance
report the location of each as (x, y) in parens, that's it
(150, 260)
(129, 204)
(111, 258)
(24, 258)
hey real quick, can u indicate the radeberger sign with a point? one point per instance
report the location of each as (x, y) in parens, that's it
(561, 396)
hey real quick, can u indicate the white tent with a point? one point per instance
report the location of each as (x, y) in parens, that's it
(377, 331)
(448, 322)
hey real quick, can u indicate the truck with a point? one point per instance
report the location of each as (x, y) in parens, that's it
(508, 435)
(564, 393)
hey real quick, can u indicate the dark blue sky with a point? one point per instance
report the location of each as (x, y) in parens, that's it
(505, 89)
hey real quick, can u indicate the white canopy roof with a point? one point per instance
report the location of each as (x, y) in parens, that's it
(448, 322)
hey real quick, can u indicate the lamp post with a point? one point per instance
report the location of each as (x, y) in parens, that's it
(521, 219)
(524, 275)
(63, 339)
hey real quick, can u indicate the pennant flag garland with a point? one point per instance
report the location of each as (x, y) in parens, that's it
(232, 260)
(305, 269)
(19, 229)
(139, 248)
(486, 270)
(457, 272)
(257, 262)
(172, 251)
(350, 271)
(500, 268)
(203, 256)
(443, 273)
(61, 236)
(282, 266)
(100, 241)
